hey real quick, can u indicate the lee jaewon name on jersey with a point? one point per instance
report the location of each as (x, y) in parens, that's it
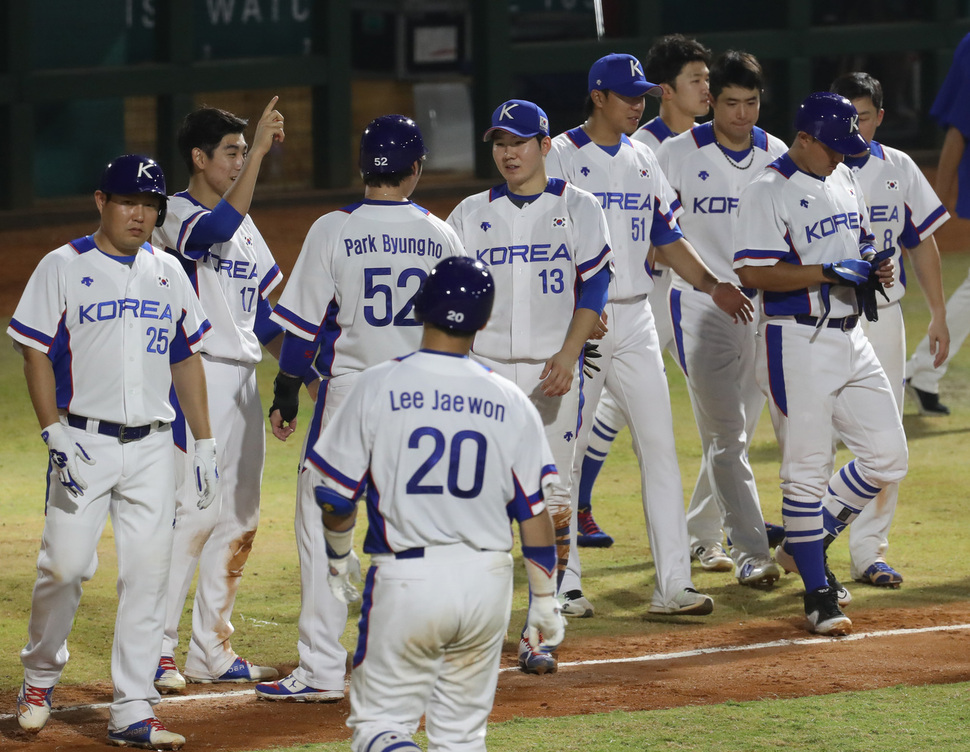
(445, 402)
(390, 244)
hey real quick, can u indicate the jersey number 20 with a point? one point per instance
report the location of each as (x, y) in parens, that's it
(475, 442)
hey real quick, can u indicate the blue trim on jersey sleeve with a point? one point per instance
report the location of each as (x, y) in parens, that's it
(933, 217)
(593, 291)
(37, 336)
(268, 278)
(213, 227)
(703, 134)
(659, 129)
(776, 371)
(352, 485)
(523, 506)
(584, 269)
(296, 354)
(759, 255)
(265, 329)
(310, 329)
(664, 229)
(548, 470)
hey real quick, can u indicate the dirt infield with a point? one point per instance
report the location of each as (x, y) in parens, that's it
(785, 670)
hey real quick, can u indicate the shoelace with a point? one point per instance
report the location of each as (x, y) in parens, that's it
(588, 525)
(155, 724)
(35, 695)
(167, 664)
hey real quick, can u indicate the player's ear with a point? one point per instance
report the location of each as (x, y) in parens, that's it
(879, 117)
(598, 97)
(100, 199)
(669, 92)
(545, 145)
(198, 158)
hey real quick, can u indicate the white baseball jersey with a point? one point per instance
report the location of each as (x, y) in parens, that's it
(111, 327)
(653, 133)
(641, 207)
(449, 452)
(903, 208)
(357, 274)
(537, 254)
(229, 277)
(708, 184)
(789, 215)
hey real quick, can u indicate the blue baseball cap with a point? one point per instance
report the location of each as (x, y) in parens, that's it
(623, 74)
(520, 118)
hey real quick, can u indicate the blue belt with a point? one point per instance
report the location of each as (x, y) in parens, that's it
(124, 434)
(845, 324)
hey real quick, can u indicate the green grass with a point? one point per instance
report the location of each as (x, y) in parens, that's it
(894, 719)
(931, 518)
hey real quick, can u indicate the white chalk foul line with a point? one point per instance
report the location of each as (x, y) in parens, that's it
(178, 699)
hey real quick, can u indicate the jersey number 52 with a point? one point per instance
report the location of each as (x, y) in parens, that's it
(382, 312)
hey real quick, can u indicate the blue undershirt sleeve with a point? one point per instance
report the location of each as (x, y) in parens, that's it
(593, 291)
(264, 327)
(296, 354)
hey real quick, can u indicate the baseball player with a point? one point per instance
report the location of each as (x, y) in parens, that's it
(107, 326)
(547, 245)
(903, 211)
(708, 167)
(209, 229)
(446, 453)
(679, 66)
(802, 234)
(641, 210)
(349, 306)
(925, 368)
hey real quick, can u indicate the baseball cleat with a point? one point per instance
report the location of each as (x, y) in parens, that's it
(33, 707)
(590, 535)
(240, 672)
(167, 676)
(929, 403)
(712, 557)
(574, 604)
(147, 734)
(291, 689)
(824, 615)
(775, 533)
(881, 575)
(787, 562)
(688, 602)
(533, 662)
(759, 571)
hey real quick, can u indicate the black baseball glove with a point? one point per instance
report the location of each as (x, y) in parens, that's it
(591, 353)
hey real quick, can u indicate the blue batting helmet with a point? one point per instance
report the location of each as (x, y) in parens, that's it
(833, 120)
(457, 295)
(135, 173)
(390, 143)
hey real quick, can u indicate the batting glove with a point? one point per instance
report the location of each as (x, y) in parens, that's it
(849, 272)
(545, 627)
(205, 471)
(64, 455)
(591, 354)
(286, 396)
(342, 574)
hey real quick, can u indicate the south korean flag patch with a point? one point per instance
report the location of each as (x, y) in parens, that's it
(892, 185)
(163, 281)
(558, 221)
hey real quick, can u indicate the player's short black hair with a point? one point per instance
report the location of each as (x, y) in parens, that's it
(858, 85)
(736, 68)
(668, 56)
(204, 129)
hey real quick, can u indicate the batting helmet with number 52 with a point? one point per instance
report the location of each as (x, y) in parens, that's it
(457, 295)
(390, 143)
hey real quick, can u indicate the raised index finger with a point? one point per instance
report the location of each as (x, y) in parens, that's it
(269, 108)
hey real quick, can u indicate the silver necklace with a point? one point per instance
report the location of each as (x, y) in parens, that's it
(731, 161)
